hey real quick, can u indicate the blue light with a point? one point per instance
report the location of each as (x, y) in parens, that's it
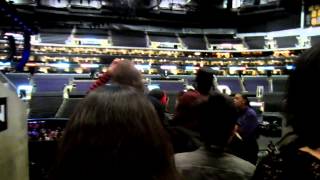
(290, 67)
(153, 86)
(5, 63)
(191, 68)
(142, 66)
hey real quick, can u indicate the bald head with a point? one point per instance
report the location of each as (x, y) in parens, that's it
(125, 73)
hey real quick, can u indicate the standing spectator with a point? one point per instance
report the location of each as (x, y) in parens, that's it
(204, 81)
(160, 95)
(121, 72)
(217, 119)
(114, 134)
(184, 133)
(297, 156)
(245, 145)
(160, 100)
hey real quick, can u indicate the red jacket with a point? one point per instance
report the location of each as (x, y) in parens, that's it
(102, 80)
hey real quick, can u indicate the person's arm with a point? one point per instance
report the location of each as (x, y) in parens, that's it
(102, 80)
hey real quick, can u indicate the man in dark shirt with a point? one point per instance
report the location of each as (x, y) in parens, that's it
(245, 145)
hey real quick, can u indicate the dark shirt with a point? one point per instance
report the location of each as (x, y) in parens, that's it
(248, 122)
(204, 164)
(288, 164)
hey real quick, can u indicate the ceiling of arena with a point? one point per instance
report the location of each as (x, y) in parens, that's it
(106, 14)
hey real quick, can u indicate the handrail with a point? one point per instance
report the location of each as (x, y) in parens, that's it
(4, 79)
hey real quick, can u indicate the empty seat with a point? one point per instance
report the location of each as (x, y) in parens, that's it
(18, 78)
(186, 78)
(255, 42)
(55, 38)
(44, 104)
(221, 39)
(251, 83)
(67, 107)
(315, 40)
(163, 38)
(129, 38)
(279, 83)
(287, 41)
(232, 82)
(47, 83)
(83, 85)
(174, 86)
(194, 41)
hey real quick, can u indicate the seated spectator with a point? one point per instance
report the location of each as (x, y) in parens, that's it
(217, 122)
(184, 134)
(245, 145)
(297, 156)
(160, 95)
(161, 104)
(114, 134)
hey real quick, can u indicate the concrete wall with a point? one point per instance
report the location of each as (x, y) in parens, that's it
(14, 140)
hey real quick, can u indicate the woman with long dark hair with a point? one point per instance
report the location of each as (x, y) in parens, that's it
(115, 134)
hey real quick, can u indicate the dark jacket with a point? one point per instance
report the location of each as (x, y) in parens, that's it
(288, 162)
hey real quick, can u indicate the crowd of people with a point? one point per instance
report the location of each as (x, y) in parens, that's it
(119, 131)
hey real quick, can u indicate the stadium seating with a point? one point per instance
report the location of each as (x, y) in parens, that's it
(250, 83)
(44, 104)
(67, 107)
(232, 81)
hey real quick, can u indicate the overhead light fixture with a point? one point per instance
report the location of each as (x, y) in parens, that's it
(89, 65)
(265, 68)
(168, 67)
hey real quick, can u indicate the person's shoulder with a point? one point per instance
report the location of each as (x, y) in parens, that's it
(186, 157)
(194, 158)
(240, 165)
(251, 112)
(205, 164)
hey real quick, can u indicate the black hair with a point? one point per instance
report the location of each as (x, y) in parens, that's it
(204, 80)
(302, 97)
(218, 119)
